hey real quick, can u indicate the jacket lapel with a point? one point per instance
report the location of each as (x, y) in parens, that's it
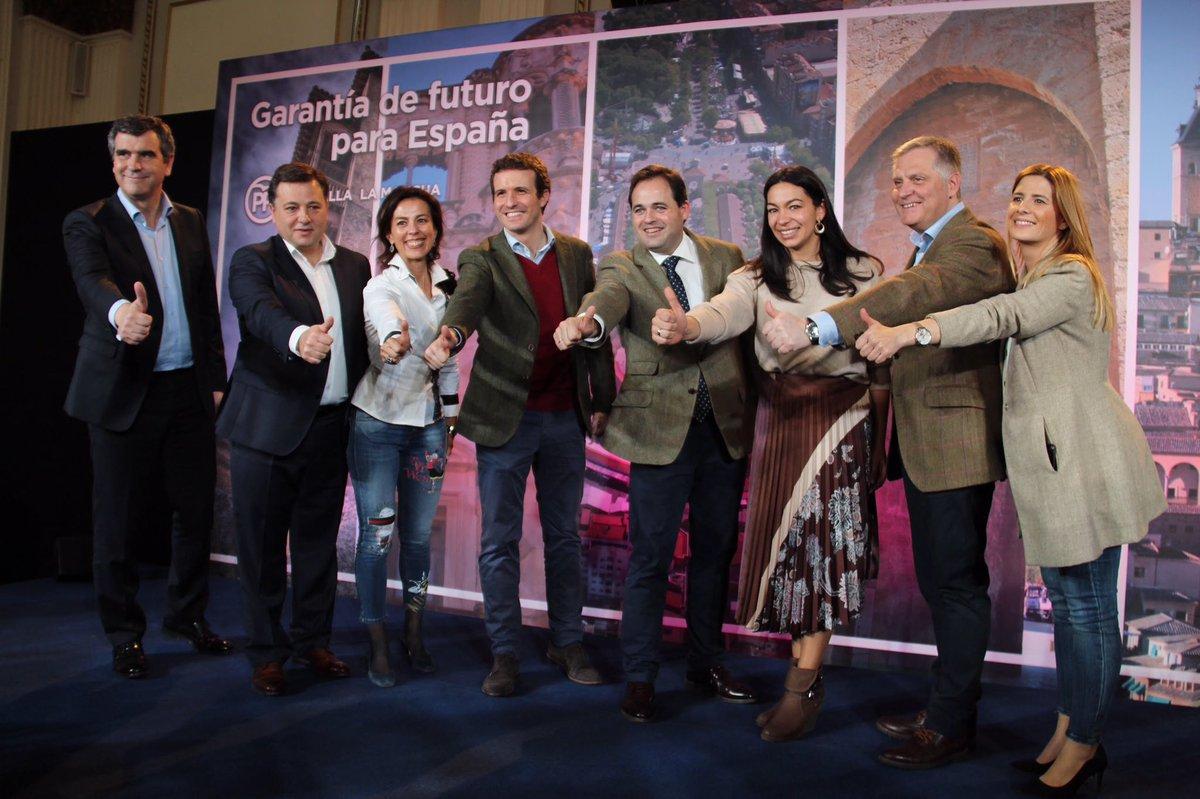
(654, 273)
(180, 237)
(710, 270)
(116, 219)
(289, 270)
(568, 275)
(510, 267)
(963, 217)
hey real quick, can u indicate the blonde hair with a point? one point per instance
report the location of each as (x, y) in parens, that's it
(1074, 241)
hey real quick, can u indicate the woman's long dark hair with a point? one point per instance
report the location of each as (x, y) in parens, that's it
(383, 224)
(773, 264)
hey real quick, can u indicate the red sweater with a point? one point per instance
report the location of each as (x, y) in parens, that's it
(552, 383)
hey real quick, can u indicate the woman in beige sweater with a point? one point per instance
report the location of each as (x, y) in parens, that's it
(1082, 477)
(818, 438)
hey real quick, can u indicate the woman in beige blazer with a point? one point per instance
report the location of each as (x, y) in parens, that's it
(1081, 473)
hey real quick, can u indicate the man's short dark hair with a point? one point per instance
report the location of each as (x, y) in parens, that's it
(671, 176)
(297, 172)
(137, 125)
(522, 161)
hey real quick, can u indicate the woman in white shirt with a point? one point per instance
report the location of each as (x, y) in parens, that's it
(398, 446)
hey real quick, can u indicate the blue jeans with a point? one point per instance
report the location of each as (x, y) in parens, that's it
(396, 498)
(1087, 641)
(551, 443)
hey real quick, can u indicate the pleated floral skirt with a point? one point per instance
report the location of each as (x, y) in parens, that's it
(811, 533)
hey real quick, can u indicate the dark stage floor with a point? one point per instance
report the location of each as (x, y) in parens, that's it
(69, 727)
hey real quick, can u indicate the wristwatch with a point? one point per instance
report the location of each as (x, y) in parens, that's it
(813, 332)
(924, 337)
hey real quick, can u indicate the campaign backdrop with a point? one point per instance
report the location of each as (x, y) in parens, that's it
(727, 92)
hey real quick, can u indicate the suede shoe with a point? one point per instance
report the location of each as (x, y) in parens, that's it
(573, 659)
(502, 679)
(129, 660)
(324, 663)
(926, 749)
(901, 727)
(203, 639)
(268, 679)
(717, 680)
(638, 703)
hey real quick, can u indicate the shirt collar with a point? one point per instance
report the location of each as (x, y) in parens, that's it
(686, 251)
(436, 273)
(520, 249)
(136, 215)
(922, 240)
(326, 254)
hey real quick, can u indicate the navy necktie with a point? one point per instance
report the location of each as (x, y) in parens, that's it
(703, 400)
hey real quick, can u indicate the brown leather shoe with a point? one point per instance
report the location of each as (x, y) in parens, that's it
(717, 680)
(764, 718)
(638, 704)
(901, 727)
(926, 749)
(325, 663)
(268, 679)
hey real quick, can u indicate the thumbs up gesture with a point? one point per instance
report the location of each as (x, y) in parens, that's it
(784, 331)
(671, 325)
(133, 321)
(880, 342)
(438, 352)
(574, 329)
(315, 343)
(396, 345)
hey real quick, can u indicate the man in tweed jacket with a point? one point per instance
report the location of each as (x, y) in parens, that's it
(679, 419)
(528, 406)
(946, 440)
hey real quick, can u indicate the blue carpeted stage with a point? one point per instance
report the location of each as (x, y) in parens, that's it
(69, 727)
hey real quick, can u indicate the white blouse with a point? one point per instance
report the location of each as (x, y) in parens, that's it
(403, 392)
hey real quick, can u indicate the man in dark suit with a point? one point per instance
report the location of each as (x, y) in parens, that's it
(302, 352)
(945, 442)
(528, 405)
(149, 376)
(679, 420)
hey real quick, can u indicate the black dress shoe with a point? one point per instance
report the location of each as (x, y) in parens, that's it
(201, 636)
(926, 749)
(268, 679)
(717, 680)
(1031, 765)
(129, 660)
(638, 704)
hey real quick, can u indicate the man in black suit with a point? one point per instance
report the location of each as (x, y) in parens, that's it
(303, 349)
(148, 378)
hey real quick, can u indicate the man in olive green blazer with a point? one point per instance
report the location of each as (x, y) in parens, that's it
(946, 436)
(680, 419)
(528, 406)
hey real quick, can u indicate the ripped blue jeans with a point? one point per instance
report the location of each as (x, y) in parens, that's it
(396, 470)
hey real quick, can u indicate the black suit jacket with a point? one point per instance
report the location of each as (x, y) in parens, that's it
(273, 394)
(106, 258)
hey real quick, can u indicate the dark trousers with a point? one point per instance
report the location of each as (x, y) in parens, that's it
(704, 476)
(169, 450)
(301, 493)
(551, 444)
(949, 536)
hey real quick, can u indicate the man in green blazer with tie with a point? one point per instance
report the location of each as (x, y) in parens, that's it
(680, 419)
(945, 442)
(528, 406)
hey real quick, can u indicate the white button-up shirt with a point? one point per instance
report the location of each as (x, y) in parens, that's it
(403, 392)
(321, 278)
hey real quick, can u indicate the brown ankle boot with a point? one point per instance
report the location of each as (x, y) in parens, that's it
(764, 718)
(796, 715)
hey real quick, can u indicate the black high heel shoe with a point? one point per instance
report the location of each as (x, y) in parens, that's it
(1093, 768)
(1030, 765)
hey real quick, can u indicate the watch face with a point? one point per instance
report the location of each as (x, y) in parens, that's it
(924, 336)
(812, 331)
